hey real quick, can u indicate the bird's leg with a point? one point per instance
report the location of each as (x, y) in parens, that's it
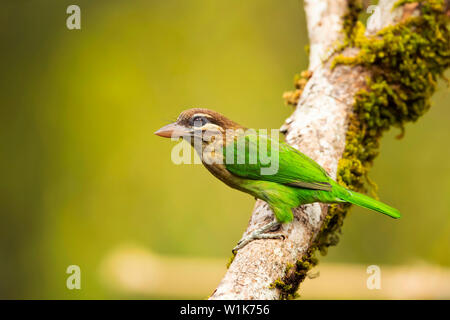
(260, 234)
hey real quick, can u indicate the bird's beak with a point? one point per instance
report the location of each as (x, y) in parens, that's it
(172, 130)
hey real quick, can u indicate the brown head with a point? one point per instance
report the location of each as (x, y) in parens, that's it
(195, 121)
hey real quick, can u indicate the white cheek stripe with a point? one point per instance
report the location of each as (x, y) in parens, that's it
(211, 126)
(202, 115)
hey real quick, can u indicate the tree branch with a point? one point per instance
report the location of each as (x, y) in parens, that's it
(318, 127)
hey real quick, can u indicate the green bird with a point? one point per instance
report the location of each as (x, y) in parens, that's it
(235, 155)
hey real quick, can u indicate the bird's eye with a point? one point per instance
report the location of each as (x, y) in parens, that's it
(199, 121)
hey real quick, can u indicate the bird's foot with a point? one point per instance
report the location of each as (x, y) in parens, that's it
(261, 234)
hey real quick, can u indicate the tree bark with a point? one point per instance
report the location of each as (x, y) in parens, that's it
(318, 128)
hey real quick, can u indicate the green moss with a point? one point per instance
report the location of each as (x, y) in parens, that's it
(300, 80)
(289, 266)
(295, 274)
(233, 255)
(405, 61)
(285, 289)
(351, 17)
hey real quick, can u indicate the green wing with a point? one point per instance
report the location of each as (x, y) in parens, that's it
(291, 167)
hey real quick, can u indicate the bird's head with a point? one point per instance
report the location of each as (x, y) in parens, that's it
(200, 123)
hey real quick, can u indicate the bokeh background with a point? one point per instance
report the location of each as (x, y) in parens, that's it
(84, 181)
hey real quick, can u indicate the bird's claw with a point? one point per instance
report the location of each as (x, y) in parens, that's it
(258, 234)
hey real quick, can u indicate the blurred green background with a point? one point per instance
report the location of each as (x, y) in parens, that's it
(83, 174)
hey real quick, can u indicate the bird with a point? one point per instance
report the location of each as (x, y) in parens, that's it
(234, 155)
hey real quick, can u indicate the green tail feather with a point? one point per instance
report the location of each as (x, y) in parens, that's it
(367, 202)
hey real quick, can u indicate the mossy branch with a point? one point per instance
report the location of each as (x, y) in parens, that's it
(405, 61)
(371, 81)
